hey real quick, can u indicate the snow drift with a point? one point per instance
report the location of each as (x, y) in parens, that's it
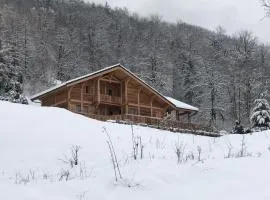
(35, 141)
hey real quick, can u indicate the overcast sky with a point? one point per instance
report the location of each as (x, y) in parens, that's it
(233, 15)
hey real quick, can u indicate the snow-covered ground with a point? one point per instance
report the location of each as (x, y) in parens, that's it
(34, 141)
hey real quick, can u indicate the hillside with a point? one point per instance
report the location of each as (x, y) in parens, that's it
(34, 140)
(43, 42)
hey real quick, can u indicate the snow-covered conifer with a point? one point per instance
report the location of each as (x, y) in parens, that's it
(260, 116)
(10, 76)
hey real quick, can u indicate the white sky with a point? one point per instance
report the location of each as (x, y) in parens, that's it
(233, 15)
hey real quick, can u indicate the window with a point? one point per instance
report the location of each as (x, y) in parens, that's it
(86, 89)
(132, 111)
(85, 109)
(78, 108)
(109, 91)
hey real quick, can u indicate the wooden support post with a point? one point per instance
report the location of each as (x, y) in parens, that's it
(165, 109)
(138, 100)
(82, 87)
(69, 97)
(98, 90)
(121, 95)
(111, 78)
(152, 99)
(126, 95)
(177, 115)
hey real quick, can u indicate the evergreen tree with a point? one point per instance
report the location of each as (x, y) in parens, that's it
(11, 78)
(260, 116)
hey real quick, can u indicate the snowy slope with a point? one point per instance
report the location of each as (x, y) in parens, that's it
(33, 141)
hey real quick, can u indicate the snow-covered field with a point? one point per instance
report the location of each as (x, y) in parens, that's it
(34, 141)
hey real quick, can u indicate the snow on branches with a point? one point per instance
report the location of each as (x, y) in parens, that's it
(260, 116)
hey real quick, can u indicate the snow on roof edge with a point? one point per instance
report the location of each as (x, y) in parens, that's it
(180, 104)
(72, 80)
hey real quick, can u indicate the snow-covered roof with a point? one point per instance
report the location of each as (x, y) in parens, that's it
(36, 96)
(174, 102)
(180, 104)
(71, 81)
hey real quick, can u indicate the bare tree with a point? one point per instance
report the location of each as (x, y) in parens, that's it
(115, 163)
(73, 159)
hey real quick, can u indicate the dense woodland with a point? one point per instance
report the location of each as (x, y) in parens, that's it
(43, 42)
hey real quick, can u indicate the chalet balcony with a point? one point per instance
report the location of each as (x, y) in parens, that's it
(110, 99)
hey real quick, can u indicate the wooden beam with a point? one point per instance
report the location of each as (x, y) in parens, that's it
(152, 99)
(69, 96)
(145, 106)
(110, 81)
(60, 102)
(138, 100)
(82, 87)
(98, 90)
(126, 94)
(116, 77)
(79, 101)
(165, 108)
(110, 78)
(121, 94)
(95, 75)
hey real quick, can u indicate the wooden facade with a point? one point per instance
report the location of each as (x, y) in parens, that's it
(113, 93)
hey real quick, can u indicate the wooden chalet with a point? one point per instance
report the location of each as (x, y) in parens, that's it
(115, 93)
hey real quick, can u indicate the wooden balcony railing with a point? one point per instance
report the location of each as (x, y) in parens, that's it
(110, 99)
(153, 121)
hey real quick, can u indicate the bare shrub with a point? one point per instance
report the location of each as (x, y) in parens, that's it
(82, 196)
(138, 148)
(32, 174)
(45, 176)
(199, 150)
(189, 156)
(141, 147)
(75, 154)
(134, 144)
(21, 179)
(137, 145)
(73, 159)
(242, 152)
(64, 174)
(160, 144)
(84, 172)
(243, 149)
(179, 151)
(229, 154)
(115, 163)
(258, 154)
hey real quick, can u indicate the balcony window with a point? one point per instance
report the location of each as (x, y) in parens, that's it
(86, 89)
(109, 91)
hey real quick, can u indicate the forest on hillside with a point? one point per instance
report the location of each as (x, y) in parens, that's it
(43, 42)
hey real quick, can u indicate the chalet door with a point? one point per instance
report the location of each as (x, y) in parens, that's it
(113, 110)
